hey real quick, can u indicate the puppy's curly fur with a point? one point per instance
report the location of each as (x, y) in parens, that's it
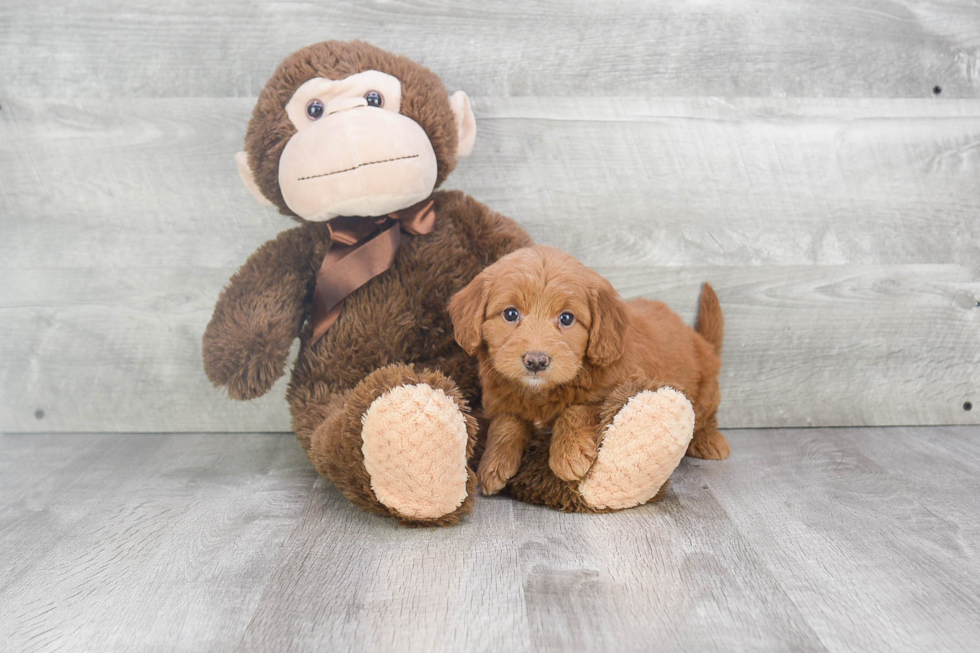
(540, 307)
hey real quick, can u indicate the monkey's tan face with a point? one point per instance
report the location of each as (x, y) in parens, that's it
(353, 152)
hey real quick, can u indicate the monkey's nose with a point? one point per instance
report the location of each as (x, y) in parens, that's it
(343, 103)
(535, 361)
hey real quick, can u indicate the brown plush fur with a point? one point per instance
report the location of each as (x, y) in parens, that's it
(335, 445)
(393, 330)
(398, 318)
(611, 351)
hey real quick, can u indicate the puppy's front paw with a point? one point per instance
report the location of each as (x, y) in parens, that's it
(496, 468)
(571, 460)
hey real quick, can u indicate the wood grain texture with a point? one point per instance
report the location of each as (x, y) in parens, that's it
(842, 237)
(162, 536)
(743, 182)
(876, 523)
(866, 48)
(804, 540)
(804, 345)
(672, 576)
(397, 580)
(664, 182)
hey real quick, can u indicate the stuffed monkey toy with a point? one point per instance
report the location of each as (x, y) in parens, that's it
(352, 143)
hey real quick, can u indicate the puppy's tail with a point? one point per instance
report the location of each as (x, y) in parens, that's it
(711, 323)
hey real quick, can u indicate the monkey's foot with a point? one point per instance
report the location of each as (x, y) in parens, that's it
(414, 445)
(640, 449)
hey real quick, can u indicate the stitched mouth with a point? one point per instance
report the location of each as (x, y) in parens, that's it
(360, 165)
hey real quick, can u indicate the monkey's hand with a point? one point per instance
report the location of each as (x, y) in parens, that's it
(246, 353)
(257, 317)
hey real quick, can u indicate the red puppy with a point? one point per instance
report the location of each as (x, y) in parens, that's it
(555, 341)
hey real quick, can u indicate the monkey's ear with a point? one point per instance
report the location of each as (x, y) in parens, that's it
(249, 179)
(468, 309)
(465, 123)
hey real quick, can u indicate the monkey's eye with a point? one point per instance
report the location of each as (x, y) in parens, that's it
(374, 99)
(511, 314)
(566, 319)
(314, 109)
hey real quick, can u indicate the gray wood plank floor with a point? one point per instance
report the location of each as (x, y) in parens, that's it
(822, 539)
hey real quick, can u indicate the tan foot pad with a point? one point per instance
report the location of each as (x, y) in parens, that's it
(640, 449)
(414, 445)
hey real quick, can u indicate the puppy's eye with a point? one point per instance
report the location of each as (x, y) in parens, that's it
(314, 109)
(511, 314)
(374, 99)
(566, 319)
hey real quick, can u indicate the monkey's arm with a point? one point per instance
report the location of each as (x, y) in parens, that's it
(259, 314)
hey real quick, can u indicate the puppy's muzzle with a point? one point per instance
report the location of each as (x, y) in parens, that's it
(536, 361)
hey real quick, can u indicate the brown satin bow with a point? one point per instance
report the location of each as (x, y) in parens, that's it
(361, 249)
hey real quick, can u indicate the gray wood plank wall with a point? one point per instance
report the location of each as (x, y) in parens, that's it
(818, 162)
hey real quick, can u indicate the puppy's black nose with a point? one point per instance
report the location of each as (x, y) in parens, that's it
(535, 361)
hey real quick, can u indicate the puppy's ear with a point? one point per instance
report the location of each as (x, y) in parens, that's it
(468, 309)
(609, 319)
